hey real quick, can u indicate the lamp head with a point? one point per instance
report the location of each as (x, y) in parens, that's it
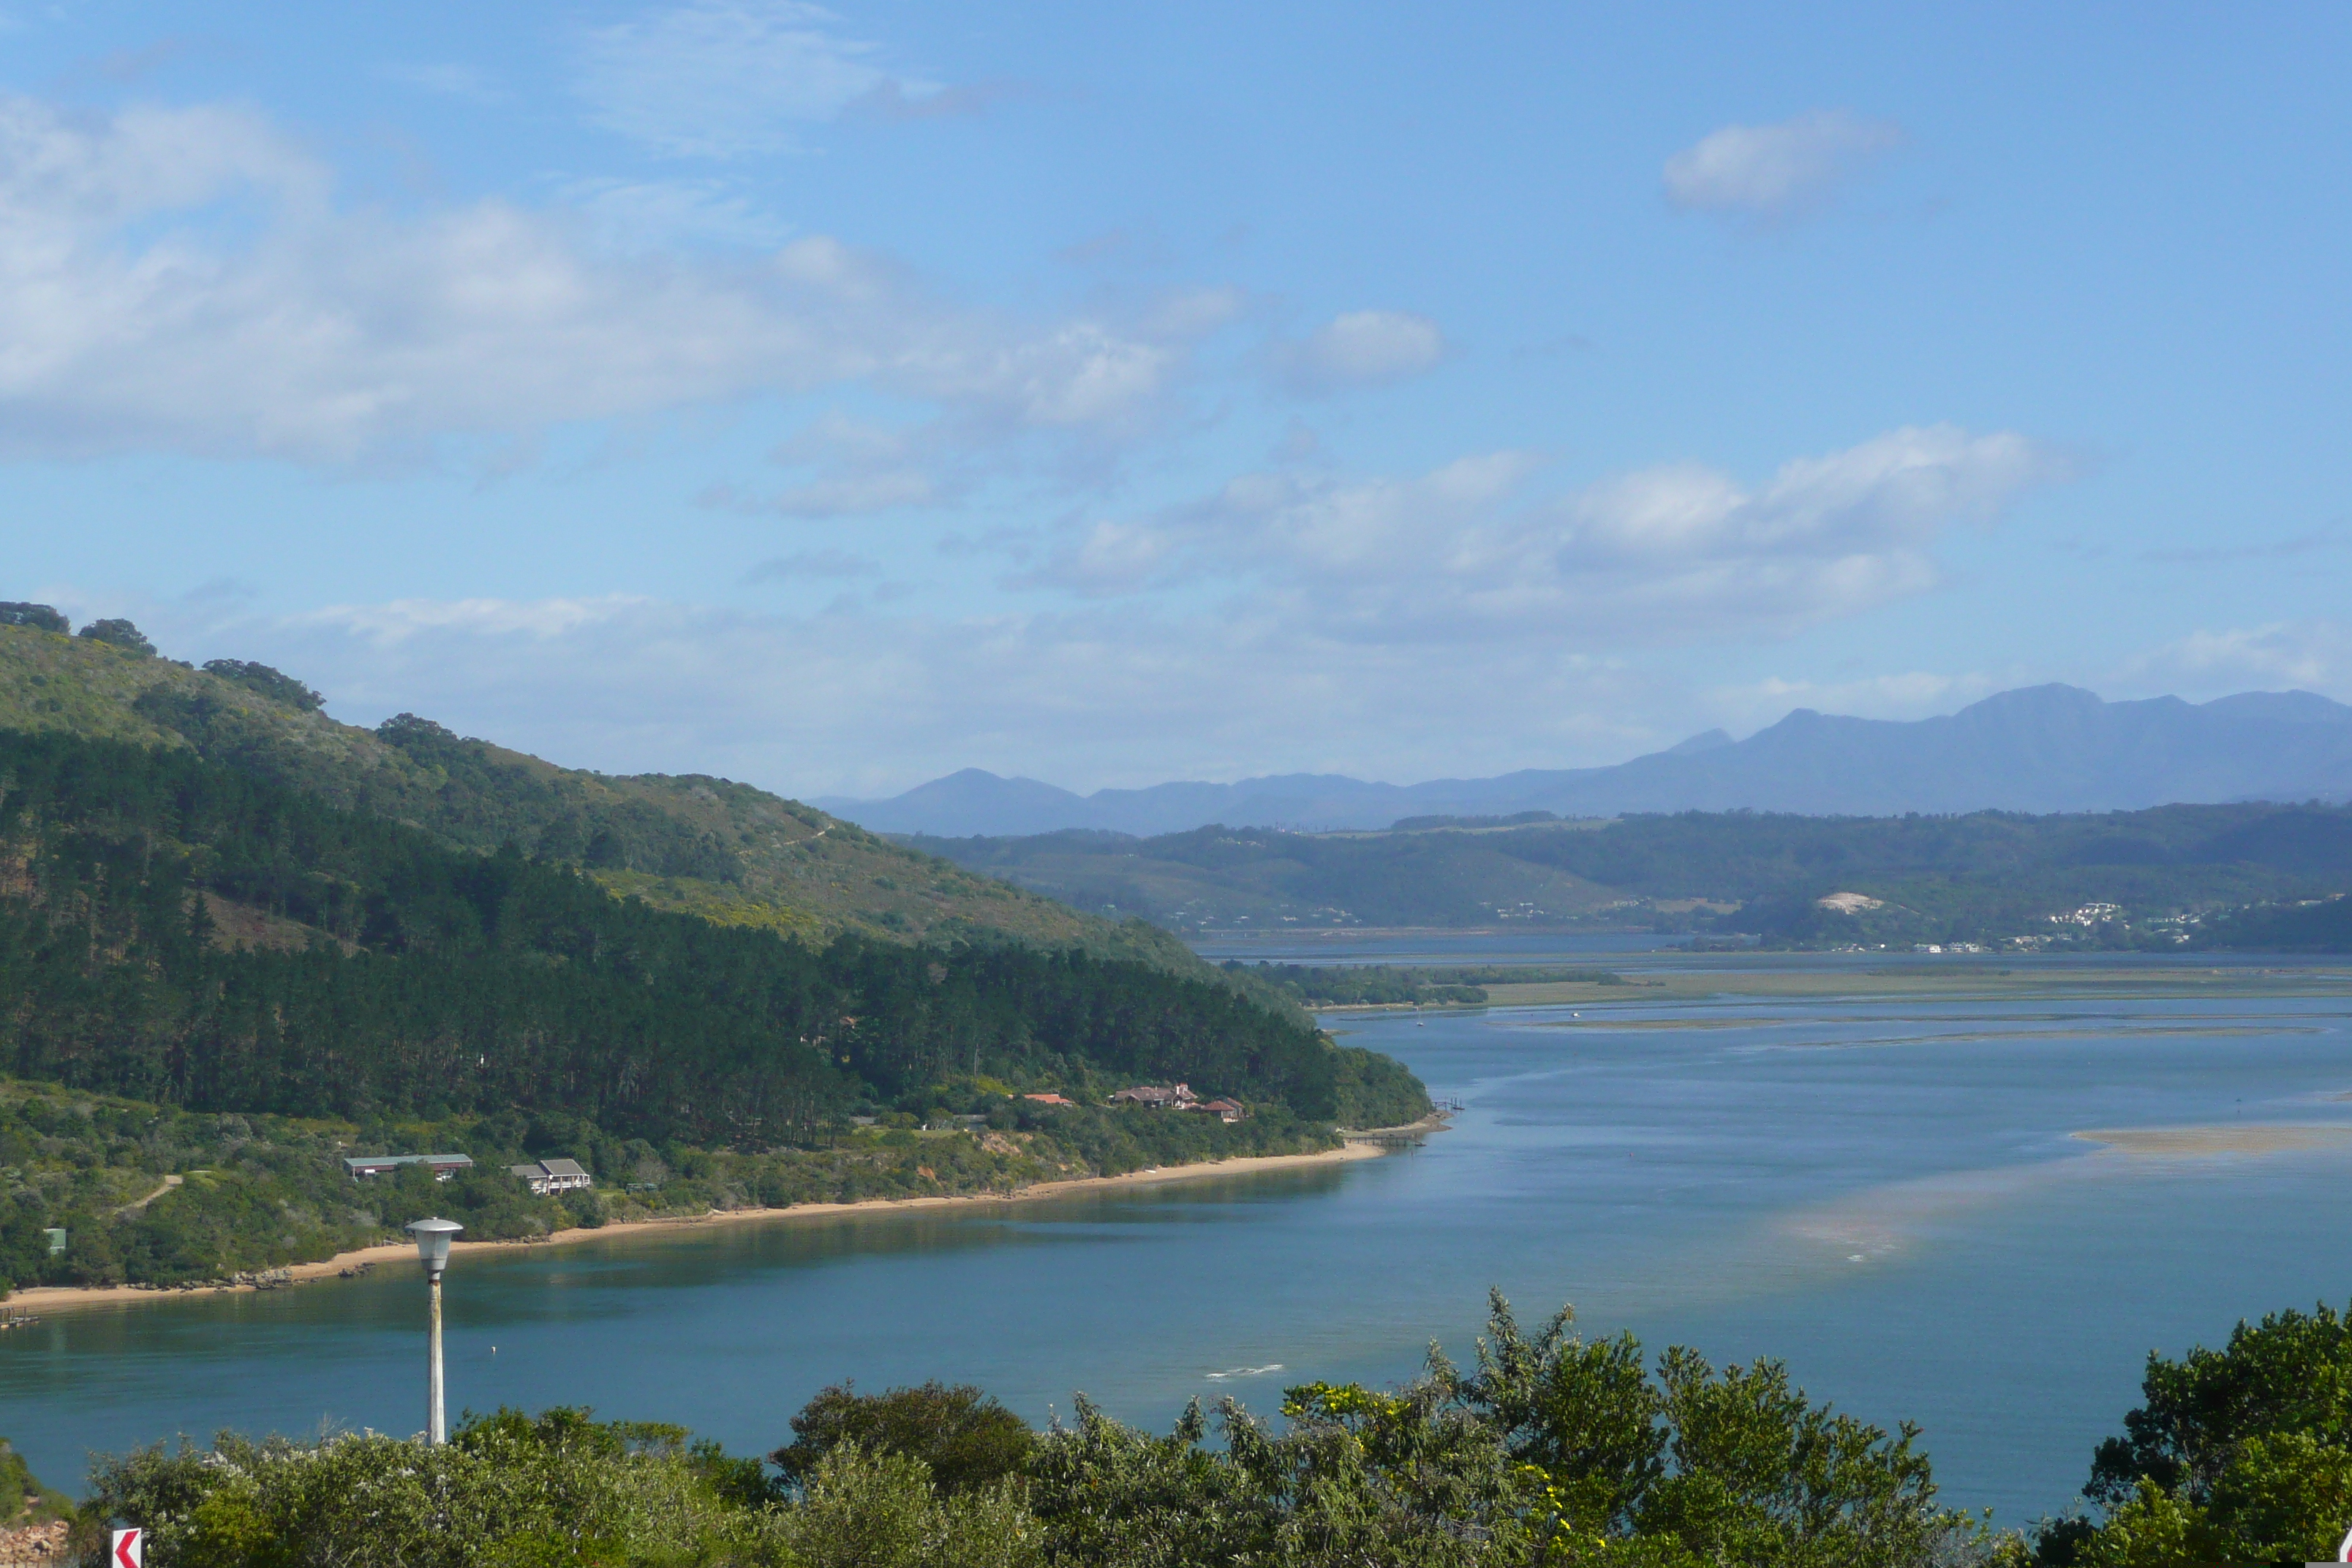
(432, 1238)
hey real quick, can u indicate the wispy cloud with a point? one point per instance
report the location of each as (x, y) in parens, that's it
(725, 78)
(2313, 654)
(1677, 554)
(307, 332)
(1776, 172)
(659, 215)
(895, 100)
(1362, 348)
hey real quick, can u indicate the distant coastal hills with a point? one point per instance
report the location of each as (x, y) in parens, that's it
(2038, 749)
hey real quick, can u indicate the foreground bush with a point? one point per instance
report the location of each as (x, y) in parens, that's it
(2240, 1455)
(1552, 1452)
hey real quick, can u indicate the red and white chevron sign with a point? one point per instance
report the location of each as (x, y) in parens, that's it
(130, 1549)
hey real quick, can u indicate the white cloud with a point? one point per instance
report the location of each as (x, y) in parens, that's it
(1672, 554)
(1364, 348)
(183, 279)
(2313, 655)
(659, 215)
(857, 495)
(1776, 171)
(857, 469)
(721, 79)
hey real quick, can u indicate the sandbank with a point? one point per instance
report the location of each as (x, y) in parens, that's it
(2175, 1142)
(40, 1300)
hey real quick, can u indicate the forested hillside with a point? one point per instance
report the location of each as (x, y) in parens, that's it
(733, 853)
(394, 972)
(2168, 873)
(185, 933)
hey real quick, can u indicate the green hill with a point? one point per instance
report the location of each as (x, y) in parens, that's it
(239, 939)
(2159, 877)
(733, 854)
(196, 938)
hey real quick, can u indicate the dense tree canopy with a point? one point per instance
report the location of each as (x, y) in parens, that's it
(272, 683)
(403, 974)
(2240, 1455)
(120, 634)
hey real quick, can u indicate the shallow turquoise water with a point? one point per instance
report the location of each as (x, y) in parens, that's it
(1882, 1193)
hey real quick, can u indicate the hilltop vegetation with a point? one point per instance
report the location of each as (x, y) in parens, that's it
(732, 853)
(2165, 874)
(1224, 879)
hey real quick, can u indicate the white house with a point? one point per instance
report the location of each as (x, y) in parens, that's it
(554, 1176)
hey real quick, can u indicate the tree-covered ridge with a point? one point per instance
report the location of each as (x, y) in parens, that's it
(685, 842)
(1983, 877)
(444, 981)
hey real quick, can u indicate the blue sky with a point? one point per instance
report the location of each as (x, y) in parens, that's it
(835, 397)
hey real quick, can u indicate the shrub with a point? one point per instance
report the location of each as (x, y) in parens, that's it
(120, 634)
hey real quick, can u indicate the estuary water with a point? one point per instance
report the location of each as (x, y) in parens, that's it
(1883, 1192)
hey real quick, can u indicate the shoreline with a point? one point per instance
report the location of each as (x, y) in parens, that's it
(36, 1299)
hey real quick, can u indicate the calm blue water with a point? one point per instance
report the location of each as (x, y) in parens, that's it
(1882, 1193)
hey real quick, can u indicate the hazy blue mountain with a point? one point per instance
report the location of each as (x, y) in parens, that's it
(2039, 748)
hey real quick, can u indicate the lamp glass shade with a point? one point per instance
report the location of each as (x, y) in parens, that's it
(432, 1238)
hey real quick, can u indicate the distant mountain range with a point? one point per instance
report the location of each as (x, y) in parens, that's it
(2038, 749)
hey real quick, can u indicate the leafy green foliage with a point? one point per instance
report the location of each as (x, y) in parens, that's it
(505, 1491)
(120, 634)
(861, 1509)
(1552, 1453)
(22, 1499)
(2242, 1453)
(271, 683)
(40, 618)
(968, 1440)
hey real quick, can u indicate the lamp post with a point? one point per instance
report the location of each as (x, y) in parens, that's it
(432, 1238)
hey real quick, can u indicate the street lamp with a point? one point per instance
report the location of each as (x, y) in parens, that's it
(432, 1238)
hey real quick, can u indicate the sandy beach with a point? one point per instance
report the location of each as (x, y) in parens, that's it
(45, 1299)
